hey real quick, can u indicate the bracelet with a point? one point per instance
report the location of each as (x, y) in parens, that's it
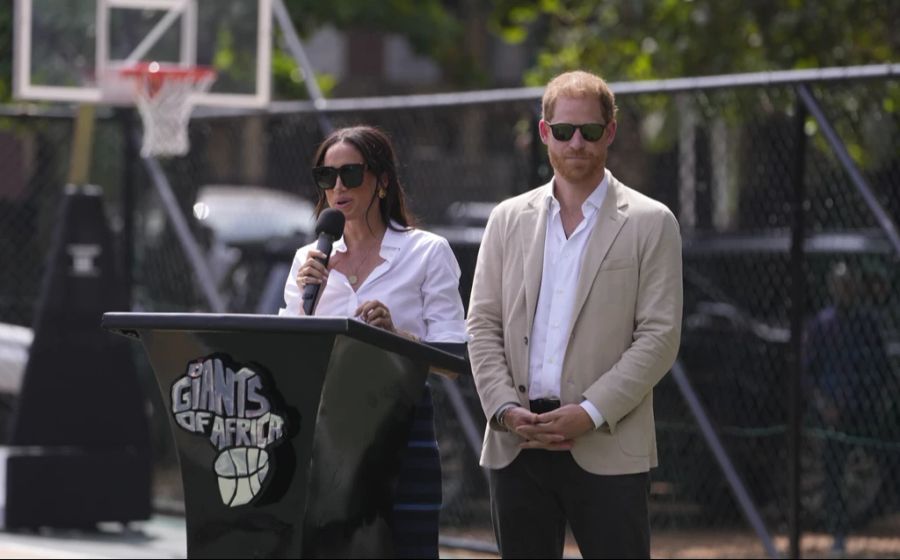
(501, 416)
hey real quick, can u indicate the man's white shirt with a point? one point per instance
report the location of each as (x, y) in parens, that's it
(556, 303)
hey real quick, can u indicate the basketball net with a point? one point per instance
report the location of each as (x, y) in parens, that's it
(164, 96)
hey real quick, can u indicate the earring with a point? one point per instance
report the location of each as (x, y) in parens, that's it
(382, 193)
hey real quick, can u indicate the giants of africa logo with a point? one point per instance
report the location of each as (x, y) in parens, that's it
(230, 408)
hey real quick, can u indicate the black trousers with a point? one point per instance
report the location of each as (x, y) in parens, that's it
(534, 497)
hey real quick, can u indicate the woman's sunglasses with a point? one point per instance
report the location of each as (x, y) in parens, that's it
(351, 175)
(590, 131)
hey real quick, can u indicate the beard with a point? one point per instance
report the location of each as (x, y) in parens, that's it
(578, 170)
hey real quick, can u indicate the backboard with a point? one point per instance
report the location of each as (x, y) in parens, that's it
(73, 50)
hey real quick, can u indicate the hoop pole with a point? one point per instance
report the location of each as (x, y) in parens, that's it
(194, 254)
(82, 144)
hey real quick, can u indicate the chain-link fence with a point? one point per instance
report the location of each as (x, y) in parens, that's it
(726, 154)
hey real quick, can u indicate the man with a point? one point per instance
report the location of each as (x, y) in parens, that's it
(575, 315)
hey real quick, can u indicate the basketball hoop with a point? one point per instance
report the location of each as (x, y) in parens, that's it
(164, 97)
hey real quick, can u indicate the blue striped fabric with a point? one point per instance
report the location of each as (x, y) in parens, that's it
(431, 444)
(417, 500)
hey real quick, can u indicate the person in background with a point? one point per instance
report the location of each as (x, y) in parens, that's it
(575, 315)
(385, 272)
(846, 364)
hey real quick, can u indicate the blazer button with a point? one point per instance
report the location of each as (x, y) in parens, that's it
(521, 388)
(526, 341)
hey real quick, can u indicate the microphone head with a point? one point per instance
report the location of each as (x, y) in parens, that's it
(331, 222)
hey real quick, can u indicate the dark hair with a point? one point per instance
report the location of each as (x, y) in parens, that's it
(378, 155)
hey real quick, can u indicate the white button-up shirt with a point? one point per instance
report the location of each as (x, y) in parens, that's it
(418, 282)
(556, 303)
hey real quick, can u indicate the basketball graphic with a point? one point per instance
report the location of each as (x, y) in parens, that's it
(228, 404)
(241, 472)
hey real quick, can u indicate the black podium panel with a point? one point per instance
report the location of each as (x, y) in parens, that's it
(288, 430)
(362, 425)
(261, 528)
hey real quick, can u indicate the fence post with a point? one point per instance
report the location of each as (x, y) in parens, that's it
(536, 149)
(129, 186)
(797, 311)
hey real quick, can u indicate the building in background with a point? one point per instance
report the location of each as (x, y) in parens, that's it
(371, 63)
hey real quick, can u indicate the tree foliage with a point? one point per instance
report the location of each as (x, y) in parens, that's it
(637, 39)
(426, 23)
(650, 39)
(6, 44)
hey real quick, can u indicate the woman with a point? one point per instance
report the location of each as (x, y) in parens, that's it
(389, 275)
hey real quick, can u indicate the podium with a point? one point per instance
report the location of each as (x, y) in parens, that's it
(288, 429)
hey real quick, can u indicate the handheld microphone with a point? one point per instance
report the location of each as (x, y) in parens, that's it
(329, 228)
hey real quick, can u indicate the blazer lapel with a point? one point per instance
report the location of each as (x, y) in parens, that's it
(610, 219)
(533, 233)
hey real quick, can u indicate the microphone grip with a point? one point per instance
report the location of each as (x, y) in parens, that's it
(311, 291)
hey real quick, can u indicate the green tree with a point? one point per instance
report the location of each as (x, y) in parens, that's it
(650, 39)
(6, 43)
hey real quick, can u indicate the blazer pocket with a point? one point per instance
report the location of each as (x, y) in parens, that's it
(616, 283)
(633, 436)
(616, 264)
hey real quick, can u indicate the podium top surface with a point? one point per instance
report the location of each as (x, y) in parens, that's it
(447, 356)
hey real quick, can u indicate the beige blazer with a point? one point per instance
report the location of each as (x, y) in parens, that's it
(625, 332)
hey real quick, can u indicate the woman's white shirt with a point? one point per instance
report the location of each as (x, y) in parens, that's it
(418, 282)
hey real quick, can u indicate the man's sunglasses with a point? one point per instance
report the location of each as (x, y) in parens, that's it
(590, 131)
(351, 175)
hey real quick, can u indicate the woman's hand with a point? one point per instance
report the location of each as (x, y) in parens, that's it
(376, 314)
(312, 271)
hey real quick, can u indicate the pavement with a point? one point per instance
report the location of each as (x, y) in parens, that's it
(163, 536)
(160, 537)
